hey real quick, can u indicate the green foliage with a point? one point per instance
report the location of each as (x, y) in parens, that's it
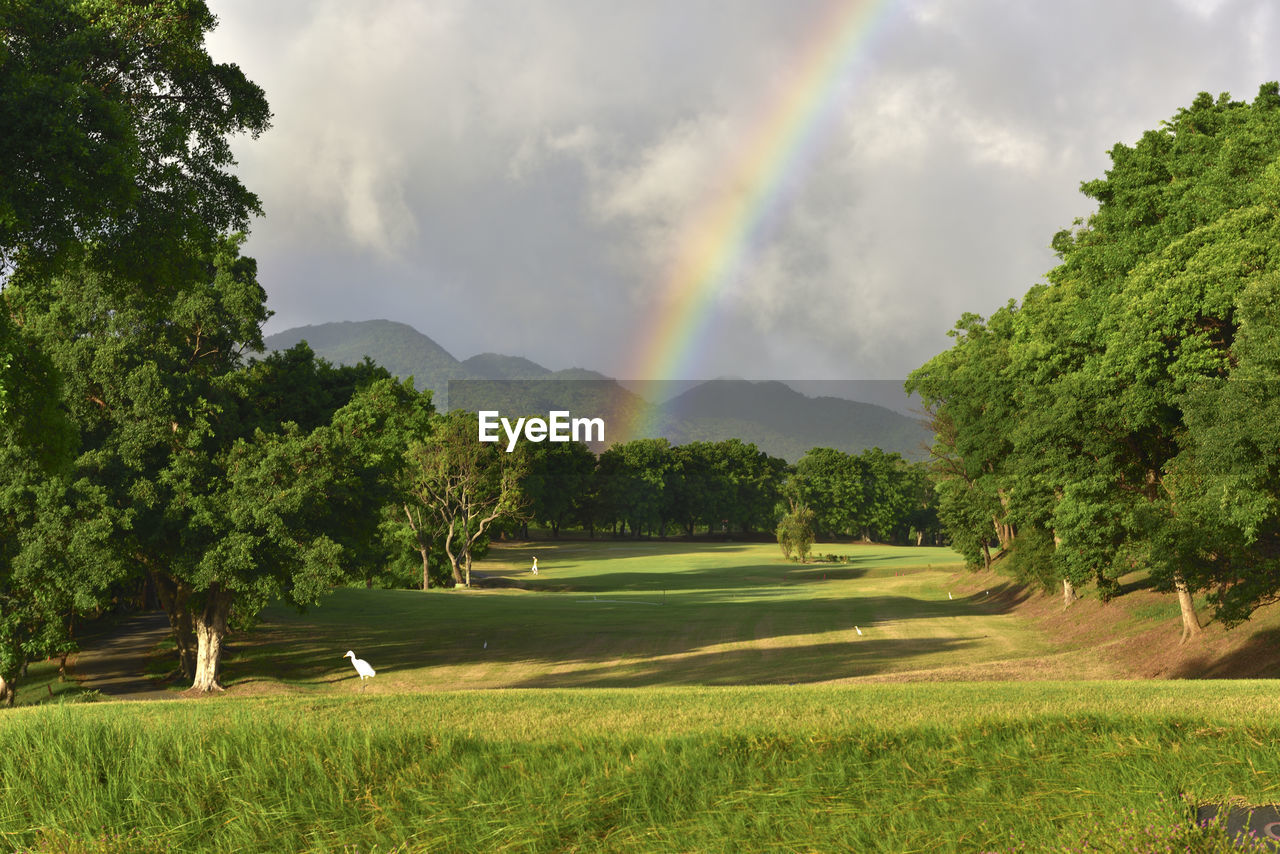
(795, 532)
(632, 477)
(116, 123)
(229, 484)
(558, 481)
(1031, 560)
(460, 486)
(1121, 410)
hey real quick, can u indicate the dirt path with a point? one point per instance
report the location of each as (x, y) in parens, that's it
(116, 663)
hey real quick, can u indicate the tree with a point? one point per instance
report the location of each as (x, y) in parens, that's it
(218, 494)
(116, 123)
(831, 482)
(632, 478)
(1106, 394)
(795, 532)
(464, 484)
(557, 481)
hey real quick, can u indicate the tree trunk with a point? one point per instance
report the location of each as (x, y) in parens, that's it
(466, 556)
(1068, 593)
(1190, 623)
(7, 691)
(174, 597)
(919, 538)
(211, 631)
(426, 574)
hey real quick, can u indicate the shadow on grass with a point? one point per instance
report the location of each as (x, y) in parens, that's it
(1255, 659)
(818, 662)
(657, 641)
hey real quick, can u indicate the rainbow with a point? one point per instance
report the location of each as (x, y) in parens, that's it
(766, 173)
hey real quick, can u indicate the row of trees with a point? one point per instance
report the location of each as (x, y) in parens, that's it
(648, 486)
(1124, 415)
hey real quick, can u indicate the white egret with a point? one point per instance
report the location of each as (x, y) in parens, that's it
(949, 596)
(535, 566)
(362, 667)
(858, 630)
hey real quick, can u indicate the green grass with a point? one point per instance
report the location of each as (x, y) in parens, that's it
(700, 709)
(640, 614)
(912, 767)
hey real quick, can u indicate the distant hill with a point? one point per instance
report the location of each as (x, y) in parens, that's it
(786, 423)
(398, 347)
(498, 367)
(774, 416)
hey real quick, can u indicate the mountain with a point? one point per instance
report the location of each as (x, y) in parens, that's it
(786, 423)
(398, 347)
(773, 415)
(495, 366)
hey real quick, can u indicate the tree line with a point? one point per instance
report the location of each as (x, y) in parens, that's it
(1123, 416)
(649, 487)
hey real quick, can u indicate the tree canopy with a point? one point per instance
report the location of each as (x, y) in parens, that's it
(1091, 413)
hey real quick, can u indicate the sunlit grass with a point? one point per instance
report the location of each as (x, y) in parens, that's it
(1013, 766)
(620, 614)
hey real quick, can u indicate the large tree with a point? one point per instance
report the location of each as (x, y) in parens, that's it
(232, 482)
(116, 123)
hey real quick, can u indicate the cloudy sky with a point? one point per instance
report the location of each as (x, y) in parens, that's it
(522, 177)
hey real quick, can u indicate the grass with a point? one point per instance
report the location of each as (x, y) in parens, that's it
(632, 615)
(723, 719)
(912, 767)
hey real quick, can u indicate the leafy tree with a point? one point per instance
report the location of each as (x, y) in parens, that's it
(49, 522)
(1105, 395)
(116, 123)
(557, 481)
(795, 532)
(966, 391)
(831, 483)
(463, 485)
(753, 480)
(632, 478)
(220, 500)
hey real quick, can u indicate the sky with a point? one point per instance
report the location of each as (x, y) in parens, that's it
(537, 178)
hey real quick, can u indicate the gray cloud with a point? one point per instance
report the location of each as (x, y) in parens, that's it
(520, 177)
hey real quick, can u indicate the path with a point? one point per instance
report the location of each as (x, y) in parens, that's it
(115, 663)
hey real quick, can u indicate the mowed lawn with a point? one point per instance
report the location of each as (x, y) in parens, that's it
(622, 614)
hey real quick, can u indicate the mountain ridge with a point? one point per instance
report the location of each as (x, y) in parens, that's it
(774, 416)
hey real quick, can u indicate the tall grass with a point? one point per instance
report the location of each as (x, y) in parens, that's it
(959, 767)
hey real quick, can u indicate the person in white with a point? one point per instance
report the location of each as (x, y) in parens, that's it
(535, 566)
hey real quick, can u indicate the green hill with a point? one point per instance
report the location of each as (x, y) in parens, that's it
(398, 347)
(774, 416)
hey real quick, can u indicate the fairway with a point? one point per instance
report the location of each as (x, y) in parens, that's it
(625, 614)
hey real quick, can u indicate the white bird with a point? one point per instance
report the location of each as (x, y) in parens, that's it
(858, 630)
(486, 644)
(949, 596)
(535, 566)
(362, 667)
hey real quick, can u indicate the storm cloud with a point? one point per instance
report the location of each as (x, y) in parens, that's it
(518, 177)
